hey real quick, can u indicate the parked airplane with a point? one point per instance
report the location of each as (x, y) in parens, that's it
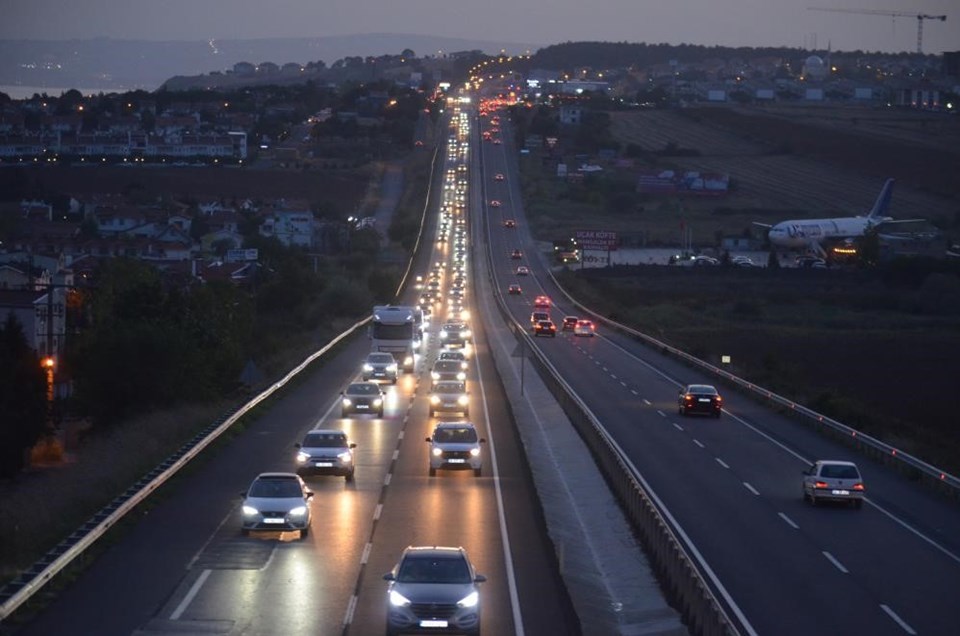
(810, 233)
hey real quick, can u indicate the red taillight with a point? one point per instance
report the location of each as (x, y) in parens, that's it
(858, 487)
(820, 484)
(689, 398)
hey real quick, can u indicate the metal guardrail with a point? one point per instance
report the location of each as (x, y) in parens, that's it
(939, 479)
(17, 592)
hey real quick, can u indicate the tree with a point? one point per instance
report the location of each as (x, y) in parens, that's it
(23, 408)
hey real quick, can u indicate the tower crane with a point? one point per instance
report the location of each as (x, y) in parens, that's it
(893, 14)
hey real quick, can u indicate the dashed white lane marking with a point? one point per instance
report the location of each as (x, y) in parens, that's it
(751, 489)
(396, 454)
(401, 435)
(677, 426)
(721, 462)
(902, 623)
(194, 590)
(836, 564)
(635, 393)
(604, 368)
(366, 553)
(661, 413)
(699, 443)
(790, 522)
(613, 375)
(377, 511)
(386, 480)
(645, 400)
(623, 384)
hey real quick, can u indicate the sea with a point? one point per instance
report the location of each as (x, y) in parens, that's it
(17, 91)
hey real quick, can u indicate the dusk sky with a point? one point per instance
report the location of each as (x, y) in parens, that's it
(706, 22)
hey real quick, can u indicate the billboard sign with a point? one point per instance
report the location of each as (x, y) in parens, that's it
(240, 256)
(597, 240)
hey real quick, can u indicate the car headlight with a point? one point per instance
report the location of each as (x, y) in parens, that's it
(408, 361)
(249, 511)
(465, 333)
(302, 457)
(470, 600)
(462, 376)
(437, 452)
(377, 402)
(434, 399)
(368, 368)
(474, 452)
(346, 458)
(347, 402)
(443, 335)
(463, 365)
(398, 600)
(299, 511)
(391, 368)
(462, 400)
(434, 375)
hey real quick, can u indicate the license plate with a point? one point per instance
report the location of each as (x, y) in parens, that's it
(323, 464)
(703, 399)
(456, 461)
(430, 623)
(272, 520)
(841, 492)
(362, 406)
(449, 405)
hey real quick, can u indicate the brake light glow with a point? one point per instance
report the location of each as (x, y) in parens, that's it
(858, 487)
(820, 484)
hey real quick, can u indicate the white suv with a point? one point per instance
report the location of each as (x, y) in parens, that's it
(455, 445)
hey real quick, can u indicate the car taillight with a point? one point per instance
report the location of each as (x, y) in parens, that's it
(719, 399)
(858, 487)
(820, 484)
(689, 398)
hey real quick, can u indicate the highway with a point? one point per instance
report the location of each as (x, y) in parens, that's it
(732, 485)
(182, 565)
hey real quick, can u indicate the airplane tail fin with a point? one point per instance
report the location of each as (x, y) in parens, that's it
(880, 206)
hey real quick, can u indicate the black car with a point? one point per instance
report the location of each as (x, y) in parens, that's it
(699, 398)
(362, 397)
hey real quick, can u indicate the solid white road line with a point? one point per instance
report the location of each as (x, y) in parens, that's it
(790, 522)
(194, 590)
(898, 620)
(751, 489)
(836, 563)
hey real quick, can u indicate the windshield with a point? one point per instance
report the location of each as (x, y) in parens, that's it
(421, 569)
(324, 440)
(452, 355)
(703, 390)
(363, 389)
(449, 387)
(275, 488)
(380, 358)
(393, 332)
(462, 435)
(446, 366)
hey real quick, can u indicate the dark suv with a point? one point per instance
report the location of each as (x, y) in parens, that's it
(433, 590)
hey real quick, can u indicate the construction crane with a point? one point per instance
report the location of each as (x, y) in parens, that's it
(893, 14)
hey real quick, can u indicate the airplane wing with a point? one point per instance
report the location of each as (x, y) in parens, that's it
(763, 225)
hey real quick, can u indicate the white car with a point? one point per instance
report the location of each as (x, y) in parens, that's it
(277, 501)
(830, 480)
(456, 446)
(523, 270)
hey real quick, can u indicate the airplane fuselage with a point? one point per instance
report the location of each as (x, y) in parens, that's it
(803, 233)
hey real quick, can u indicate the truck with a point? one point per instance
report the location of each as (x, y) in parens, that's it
(395, 329)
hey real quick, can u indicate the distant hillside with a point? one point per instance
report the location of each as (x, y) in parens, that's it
(128, 64)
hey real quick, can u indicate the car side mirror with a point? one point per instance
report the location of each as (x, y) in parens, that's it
(309, 494)
(479, 579)
(243, 493)
(389, 577)
(483, 440)
(429, 440)
(353, 445)
(297, 445)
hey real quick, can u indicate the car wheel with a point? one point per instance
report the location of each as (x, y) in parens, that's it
(803, 493)
(432, 412)
(466, 412)
(433, 472)
(858, 503)
(244, 532)
(813, 499)
(380, 413)
(477, 472)
(680, 411)
(344, 413)
(394, 381)
(349, 476)
(717, 415)
(304, 533)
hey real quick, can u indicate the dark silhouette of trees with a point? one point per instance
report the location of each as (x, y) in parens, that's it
(23, 407)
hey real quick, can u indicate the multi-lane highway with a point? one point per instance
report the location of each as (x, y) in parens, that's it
(732, 485)
(185, 567)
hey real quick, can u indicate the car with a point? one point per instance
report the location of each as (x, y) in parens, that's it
(380, 366)
(514, 290)
(498, 177)
(699, 398)
(831, 480)
(496, 142)
(433, 588)
(449, 396)
(542, 301)
(325, 452)
(516, 254)
(523, 270)
(537, 316)
(455, 445)
(510, 223)
(494, 203)
(702, 260)
(454, 334)
(569, 322)
(545, 328)
(454, 354)
(361, 397)
(584, 328)
(276, 501)
(448, 370)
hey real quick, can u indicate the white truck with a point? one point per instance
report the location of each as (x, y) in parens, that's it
(396, 330)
